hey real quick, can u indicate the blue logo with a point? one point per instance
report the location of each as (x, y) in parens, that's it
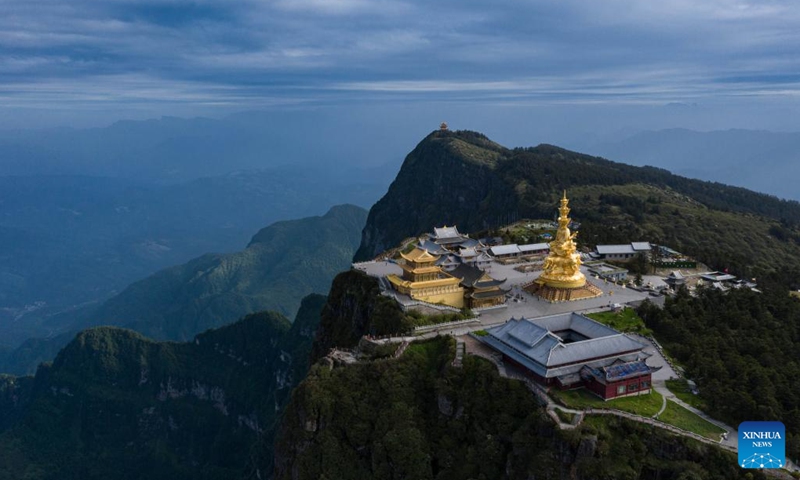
(762, 445)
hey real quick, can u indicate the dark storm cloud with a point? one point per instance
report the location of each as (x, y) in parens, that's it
(95, 54)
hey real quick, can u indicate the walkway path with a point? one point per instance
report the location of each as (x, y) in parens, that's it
(731, 437)
(477, 348)
(469, 344)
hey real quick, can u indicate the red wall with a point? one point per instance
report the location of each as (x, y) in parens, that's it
(611, 388)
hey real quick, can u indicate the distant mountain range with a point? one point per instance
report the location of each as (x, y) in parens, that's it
(760, 160)
(70, 242)
(282, 264)
(177, 150)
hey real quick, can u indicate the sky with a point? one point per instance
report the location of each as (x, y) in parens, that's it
(560, 68)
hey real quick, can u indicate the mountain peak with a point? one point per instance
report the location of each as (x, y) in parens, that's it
(463, 178)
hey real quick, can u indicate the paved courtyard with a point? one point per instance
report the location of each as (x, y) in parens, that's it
(523, 304)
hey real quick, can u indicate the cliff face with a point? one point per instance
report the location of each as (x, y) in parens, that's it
(448, 178)
(114, 401)
(355, 308)
(417, 417)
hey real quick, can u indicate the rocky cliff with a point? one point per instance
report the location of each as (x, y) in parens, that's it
(355, 308)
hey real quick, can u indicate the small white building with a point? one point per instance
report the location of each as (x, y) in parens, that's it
(609, 272)
(534, 249)
(623, 252)
(505, 251)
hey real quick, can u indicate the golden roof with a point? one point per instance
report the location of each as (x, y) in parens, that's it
(419, 255)
(439, 282)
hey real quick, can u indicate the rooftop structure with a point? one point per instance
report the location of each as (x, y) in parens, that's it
(609, 272)
(718, 277)
(675, 279)
(423, 280)
(501, 251)
(481, 289)
(514, 250)
(491, 241)
(623, 252)
(451, 238)
(555, 349)
(432, 247)
(534, 248)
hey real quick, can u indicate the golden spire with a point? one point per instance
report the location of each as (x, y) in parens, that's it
(562, 266)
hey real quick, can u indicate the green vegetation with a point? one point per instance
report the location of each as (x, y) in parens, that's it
(566, 417)
(282, 264)
(527, 231)
(417, 418)
(615, 203)
(681, 390)
(356, 308)
(646, 405)
(626, 450)
(678, 416)
(626, 320)
(741, 349)
(480, 333)
(419, 319)
(115, 404)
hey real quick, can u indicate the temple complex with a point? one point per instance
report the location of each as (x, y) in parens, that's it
(425, 281)
(481, 290)
(562, 279)
(569, 350)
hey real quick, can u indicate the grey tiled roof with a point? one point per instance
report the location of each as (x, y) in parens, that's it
(446, 232)
(505, 249)
(534, 247)
(615, 249)
(433, 248)
(535, 343)
(470, 243)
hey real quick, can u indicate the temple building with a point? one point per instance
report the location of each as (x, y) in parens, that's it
(425, 281)
(481, 290)
(569, 351)
(622, 252)
(451, 239)
(447, 236)
(562, 279)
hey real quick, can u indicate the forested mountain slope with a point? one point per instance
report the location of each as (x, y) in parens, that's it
(115, 404)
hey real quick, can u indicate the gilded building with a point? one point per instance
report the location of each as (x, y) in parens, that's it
(423, 280)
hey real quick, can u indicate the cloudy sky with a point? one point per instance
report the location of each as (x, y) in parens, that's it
(615, 64)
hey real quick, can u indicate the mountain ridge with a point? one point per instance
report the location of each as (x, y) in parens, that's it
(282, 264)
(743, 157)
(114, 402)
(444, 182)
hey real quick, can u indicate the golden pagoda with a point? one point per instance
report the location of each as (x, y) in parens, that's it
(425, 281)
(562, 279)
